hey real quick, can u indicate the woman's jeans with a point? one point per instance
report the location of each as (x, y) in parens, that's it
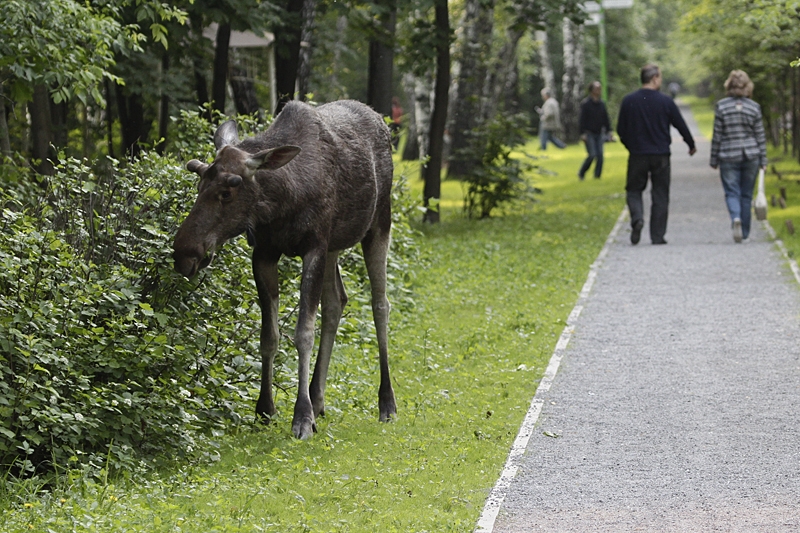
(594, 146)
(738, 181)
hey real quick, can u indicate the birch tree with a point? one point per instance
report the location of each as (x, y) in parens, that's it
(474, 47)
(572, 81)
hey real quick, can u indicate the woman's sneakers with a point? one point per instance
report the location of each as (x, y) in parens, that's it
(737, 230)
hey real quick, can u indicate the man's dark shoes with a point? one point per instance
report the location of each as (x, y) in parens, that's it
(662, 241)
(636, 231)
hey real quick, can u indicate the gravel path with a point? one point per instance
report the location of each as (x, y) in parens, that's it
(676, 404)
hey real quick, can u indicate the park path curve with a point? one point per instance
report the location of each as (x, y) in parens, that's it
(675, 407)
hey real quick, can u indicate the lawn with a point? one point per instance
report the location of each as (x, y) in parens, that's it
(491, 298)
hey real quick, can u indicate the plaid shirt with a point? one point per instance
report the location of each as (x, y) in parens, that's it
(738, 132)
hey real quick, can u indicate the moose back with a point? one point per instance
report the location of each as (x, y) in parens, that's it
(316, 182)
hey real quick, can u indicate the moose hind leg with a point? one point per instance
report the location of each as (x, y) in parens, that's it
(376, 247)
(266, 275)
(334, 299)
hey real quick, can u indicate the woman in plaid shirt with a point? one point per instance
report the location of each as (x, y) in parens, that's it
(739, 149)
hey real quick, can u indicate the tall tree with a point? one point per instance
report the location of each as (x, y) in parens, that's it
(546, 67)
(220, 79)
(306, 45)
(473, 47)
(62, 47)
(432, 170)
(287, 51)
(572, 81)
(381, 57)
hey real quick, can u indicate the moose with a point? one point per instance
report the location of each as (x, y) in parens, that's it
(316, 182)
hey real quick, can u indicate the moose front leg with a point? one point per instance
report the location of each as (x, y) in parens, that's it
(265, 270)
(303, 425)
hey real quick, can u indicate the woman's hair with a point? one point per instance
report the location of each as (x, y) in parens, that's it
(739, 84)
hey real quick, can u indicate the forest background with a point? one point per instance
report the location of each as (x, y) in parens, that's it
(104, 101)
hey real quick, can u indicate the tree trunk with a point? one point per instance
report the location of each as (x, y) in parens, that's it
(572, 81)
(504, 67)
(41, 130)
(219, 83)
(287, 53)
(433, 169)
(200, 81)
(381, 59)
(411, 149)
(131, 118)
(58, 121)
(163, 110)
(468, 95)
(306, 36)
(5, 140)
(548, 76)
(109, 120)
(423, 105)
(244, 91)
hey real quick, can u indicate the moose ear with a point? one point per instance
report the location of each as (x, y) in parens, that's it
(196, 166)
(226, 134)
(272, 158)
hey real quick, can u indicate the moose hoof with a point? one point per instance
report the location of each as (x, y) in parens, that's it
(265, 415)
(304, 428)
(388, 411)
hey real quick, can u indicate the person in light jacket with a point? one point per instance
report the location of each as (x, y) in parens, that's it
(549, 120)
(739, 149)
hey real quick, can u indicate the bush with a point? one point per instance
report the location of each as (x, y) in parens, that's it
(497, 178)
(106, 354)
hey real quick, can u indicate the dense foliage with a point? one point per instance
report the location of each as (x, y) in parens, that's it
(106, 354)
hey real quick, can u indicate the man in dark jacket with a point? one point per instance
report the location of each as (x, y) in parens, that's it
(643, 127)
(594, 126)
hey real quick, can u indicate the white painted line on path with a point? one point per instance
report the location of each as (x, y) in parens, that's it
(782, 247)
(498, 494)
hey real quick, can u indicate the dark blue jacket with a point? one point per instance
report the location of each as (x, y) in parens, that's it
(593, 117)
(644, 120)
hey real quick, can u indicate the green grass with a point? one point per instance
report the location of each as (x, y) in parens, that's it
(787, 166)
(492, 298)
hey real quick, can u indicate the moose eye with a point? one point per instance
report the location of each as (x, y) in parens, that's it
(225, 195)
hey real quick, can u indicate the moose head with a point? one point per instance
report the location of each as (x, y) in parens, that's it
(227, 193)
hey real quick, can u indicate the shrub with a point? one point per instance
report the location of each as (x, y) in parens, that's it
(107, 354)
(497, 178)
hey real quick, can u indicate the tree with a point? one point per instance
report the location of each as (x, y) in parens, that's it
(287, 51)
(572, 81)
(65, 49)
(474, 47)
(381, 58)
(432, 170)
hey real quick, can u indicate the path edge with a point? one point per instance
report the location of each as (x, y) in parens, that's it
(782, 247)
(498, 493)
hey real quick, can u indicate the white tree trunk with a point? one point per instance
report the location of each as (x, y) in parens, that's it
(544, 61)
(572, 81)
(423, 105)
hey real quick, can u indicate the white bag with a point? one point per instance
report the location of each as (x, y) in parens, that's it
(761, 197)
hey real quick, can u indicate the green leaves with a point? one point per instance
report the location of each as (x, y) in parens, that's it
(101, 341)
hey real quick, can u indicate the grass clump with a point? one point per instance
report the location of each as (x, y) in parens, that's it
(490, 299)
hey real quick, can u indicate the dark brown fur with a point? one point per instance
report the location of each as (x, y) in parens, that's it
(316, 182)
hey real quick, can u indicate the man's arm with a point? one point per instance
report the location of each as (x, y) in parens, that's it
(676, 119)
(622, 123)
